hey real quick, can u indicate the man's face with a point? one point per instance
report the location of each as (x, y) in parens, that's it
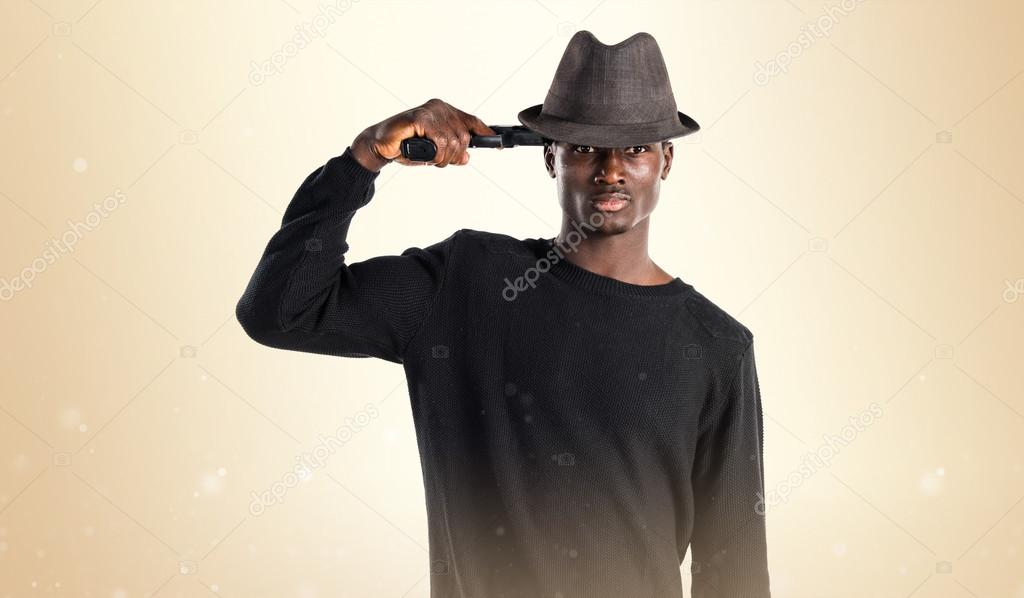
(584, 172)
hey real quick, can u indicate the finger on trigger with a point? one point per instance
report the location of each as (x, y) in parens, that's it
(452, 156)
(465, 137)
(440, 140)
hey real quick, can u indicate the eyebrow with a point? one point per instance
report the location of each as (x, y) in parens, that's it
(620, 147)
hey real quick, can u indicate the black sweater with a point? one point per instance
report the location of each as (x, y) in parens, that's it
(576, 433)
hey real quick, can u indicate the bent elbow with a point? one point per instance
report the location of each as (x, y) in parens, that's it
(257, 328)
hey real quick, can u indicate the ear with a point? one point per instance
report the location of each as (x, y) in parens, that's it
(668, 151)
(549, 158)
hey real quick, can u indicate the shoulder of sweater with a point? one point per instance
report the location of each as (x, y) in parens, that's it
(715, 321)
(494, 242)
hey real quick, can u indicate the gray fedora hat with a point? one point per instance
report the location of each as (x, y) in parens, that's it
(610, 96)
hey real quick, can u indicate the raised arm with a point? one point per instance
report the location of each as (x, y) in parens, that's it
(303, 296)
(729, 557)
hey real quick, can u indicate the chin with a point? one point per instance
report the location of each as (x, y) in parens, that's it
(614, 226)
(613, 223)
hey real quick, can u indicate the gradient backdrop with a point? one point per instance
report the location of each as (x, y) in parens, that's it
(858, 179)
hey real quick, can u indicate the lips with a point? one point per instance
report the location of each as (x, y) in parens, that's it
(610, 202)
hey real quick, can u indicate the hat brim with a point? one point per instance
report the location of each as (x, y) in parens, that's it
(623, 135)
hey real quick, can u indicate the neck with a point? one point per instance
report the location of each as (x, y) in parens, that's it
(621, 256)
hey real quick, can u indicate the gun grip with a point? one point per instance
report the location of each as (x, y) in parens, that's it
(418, 149)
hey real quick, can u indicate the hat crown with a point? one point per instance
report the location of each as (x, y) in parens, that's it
(632, 71)
(610, 95)
(623, 83)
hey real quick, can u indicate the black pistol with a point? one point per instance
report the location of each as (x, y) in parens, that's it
(421, 149)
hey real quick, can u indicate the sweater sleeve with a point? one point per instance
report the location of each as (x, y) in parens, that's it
(303, 296)
(729, 546)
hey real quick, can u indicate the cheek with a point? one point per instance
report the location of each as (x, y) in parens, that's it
(648, 181)
(646, 171)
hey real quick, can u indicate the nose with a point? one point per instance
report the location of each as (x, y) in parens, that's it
(611, 172)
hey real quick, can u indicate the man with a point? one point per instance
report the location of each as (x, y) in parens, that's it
(582, 416)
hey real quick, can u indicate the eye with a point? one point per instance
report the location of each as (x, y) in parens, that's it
(640, 148)
(577, 149)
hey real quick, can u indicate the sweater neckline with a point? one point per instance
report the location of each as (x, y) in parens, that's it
(582, 278)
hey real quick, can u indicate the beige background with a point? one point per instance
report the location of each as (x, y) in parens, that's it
(862, 213)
